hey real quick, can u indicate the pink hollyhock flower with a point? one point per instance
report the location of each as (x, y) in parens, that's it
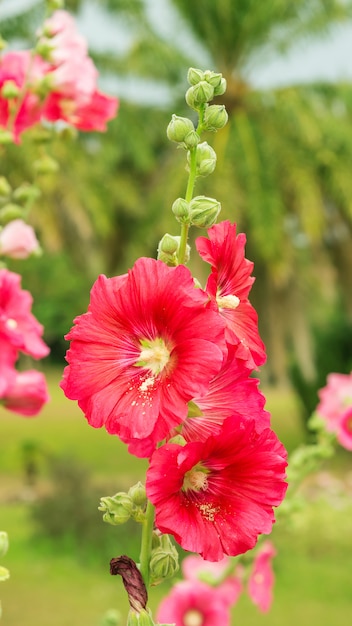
(231, 392)
(335, 407)
(91, 116)
(21, 68)
(146, 346)
(216, 497)
(8, 357)
(228, 285)
(27, 394)
(261, 580)
(193, 603)
(217, 574)
(18, 326)
(18, 240)
(344, 429)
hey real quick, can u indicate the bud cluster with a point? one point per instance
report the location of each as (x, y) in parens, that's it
(121, 507)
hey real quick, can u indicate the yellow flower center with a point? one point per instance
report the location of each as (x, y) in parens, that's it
(153, 356)
(193, 618)
(11, 324)
(196, 479)
(227, 302)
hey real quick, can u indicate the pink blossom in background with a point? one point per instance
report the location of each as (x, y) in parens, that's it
(18, 326)
(89, 117)
(8, 357)
(146, 346)
(27, 394)
(231, 392)
(228, 285)
(335, 407)
(218, 574)
(193, 603)
(261, 580)
(216, 497)
(18, 240)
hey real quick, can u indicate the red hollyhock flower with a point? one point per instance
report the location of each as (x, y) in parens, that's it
(27, 394)
(228, 285)
(18, 327)
(216, 497)
(231, 392)
(147, 345)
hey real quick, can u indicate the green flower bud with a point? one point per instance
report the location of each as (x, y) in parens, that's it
(143, 618)
(178, 439)
(204, 211)
(3, 43)
(9, 212)
(180, 209)
(4, 574)
(138, 494)
(213, 78)
(194, 76)
(46, 165)
(5, 137)
(4, 543)
(164, 561)
(215, 117)
(9, 90)
(111, 618)
(5, 187)
(179, 128)
(54, 5)
(117, 509)
(199, 94)
(191, 140)
(26, 193)
(168, 244)
(205, 159)
(220, 90)
(44, 49)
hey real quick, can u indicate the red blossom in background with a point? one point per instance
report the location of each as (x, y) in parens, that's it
(147, 345)
(216, 497)
(26, 394)
(228, 285)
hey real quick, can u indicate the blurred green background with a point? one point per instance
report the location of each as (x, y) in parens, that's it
(284, 175)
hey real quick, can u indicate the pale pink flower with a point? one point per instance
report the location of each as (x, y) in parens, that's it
(219, 574)
(146, 346)
(261, 580)
(193, 603)
(228, 285)
(27, 394)
(18, 326)
(18, 240)
(216, 497)
(335, 407)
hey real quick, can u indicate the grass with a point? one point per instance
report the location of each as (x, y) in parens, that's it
(61, 585)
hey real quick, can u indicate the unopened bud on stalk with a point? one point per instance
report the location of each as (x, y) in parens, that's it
(194, 76)
(9, 212)
(204, 211)
(26, 193)
(199, 94)
(215, 117)
(54, 5)
(5, 187)
(4, 543)
(164, 561)
(180, 209)
(46, 165)
(9, 90)
(3, 43)
(213, 78)
(138, 494)
(5, 137)
(167, 250)
(179, 128)
(117, 509)
(205, 159)
(220, 90)
(191, 140)
(140, 619)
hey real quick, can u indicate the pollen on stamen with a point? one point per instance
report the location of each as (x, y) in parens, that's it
(227, 302)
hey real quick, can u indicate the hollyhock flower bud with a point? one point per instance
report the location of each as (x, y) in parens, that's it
(221, 88)
(5, 187)
(10, 212)
(117, 509)
(180, 209)
(138, 494)
(194, 76)
(4, 543)
(215, 117)
(4, 575)
(204, 211)
(163, 561)
(18, 240)
(46, 165)
(27, 394)
(199, 94)
(191, 140)
(142, 618)
(178, 128)
(168, 244)
(213, 78)
(206, 159)
(9, 90)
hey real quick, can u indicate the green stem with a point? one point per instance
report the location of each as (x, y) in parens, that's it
(146, 543)
(189, 195)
